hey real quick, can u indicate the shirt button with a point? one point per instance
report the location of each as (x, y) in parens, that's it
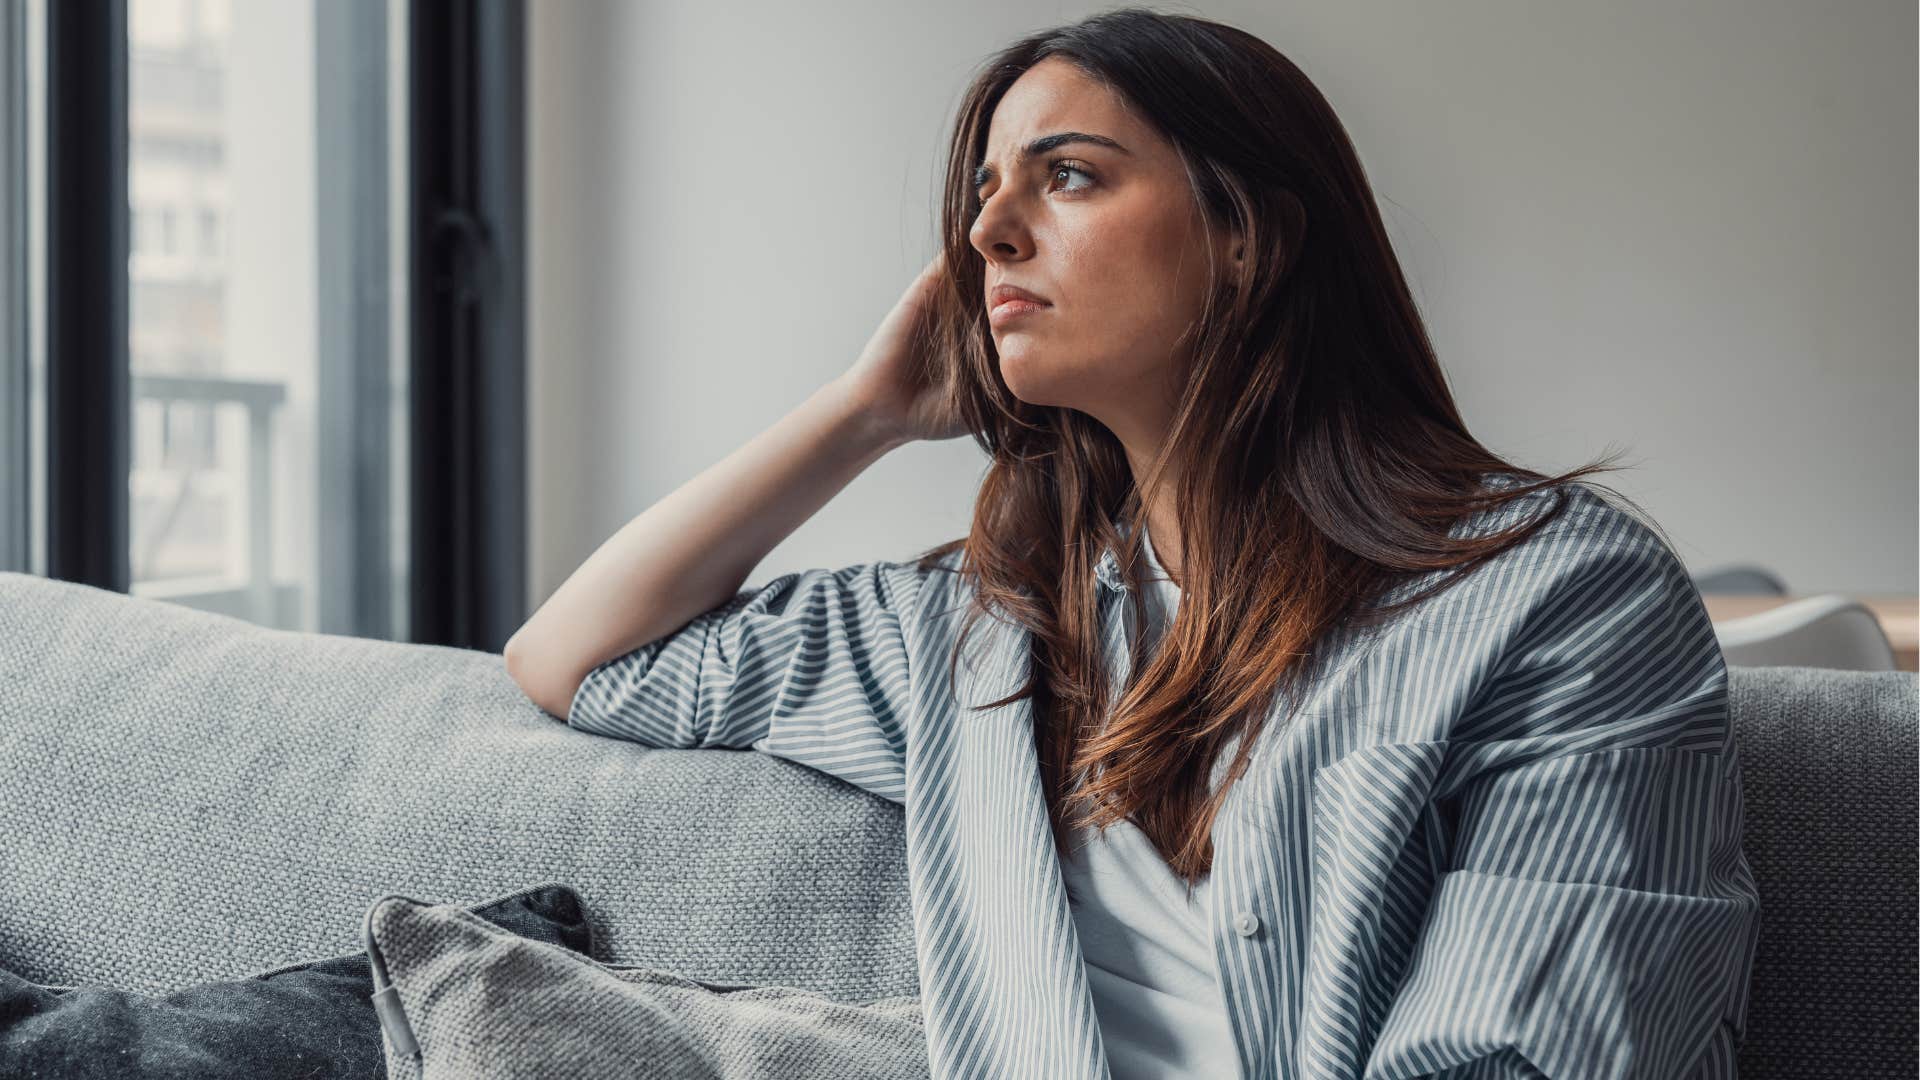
(1245, 923)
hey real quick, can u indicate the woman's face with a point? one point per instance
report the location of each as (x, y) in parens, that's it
(1109, 235)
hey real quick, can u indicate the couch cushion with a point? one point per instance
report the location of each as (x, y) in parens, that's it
(482, 1004)
(311, 1020)
(163, 762)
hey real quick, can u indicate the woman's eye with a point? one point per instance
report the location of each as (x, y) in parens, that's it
(1060, 167)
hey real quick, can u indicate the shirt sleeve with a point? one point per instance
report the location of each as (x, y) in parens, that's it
(812, 666)
(1595, 915)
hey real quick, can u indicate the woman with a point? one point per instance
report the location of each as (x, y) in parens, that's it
(1409, 762)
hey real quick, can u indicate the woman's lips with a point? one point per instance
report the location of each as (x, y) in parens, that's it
(1008, 310)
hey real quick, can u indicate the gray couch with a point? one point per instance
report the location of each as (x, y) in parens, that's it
(191, 797)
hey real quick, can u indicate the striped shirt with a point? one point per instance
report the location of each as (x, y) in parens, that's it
(1500, 837)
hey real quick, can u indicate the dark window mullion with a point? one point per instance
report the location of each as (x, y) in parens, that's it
(467, 322)
(88, 377)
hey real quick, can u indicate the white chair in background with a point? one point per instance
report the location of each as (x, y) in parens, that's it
(1830, 631)
(1746, 579)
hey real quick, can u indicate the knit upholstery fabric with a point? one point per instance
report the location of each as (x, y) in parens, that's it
(163, 763)
(1830, 777)
(482, 1003)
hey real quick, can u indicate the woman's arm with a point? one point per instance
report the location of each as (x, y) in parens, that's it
(1595, 916)
(690, 552)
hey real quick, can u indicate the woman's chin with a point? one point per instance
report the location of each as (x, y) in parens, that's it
(1025, 376)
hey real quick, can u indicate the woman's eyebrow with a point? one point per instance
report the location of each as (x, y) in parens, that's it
(984, 172)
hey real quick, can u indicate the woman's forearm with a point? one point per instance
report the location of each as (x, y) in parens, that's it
(690, 552)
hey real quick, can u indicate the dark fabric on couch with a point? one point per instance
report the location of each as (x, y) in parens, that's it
(312, 1021)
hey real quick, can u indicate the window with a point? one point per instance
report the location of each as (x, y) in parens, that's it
(233, 395)
(256, 371)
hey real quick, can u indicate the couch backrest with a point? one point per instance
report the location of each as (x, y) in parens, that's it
(1828, 759)
(189, 796)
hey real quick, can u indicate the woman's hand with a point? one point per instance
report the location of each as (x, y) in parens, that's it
(898, 380)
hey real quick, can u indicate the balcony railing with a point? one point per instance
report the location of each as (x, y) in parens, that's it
(255, 597)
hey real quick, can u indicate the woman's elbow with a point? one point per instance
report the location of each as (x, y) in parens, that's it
(547, 684)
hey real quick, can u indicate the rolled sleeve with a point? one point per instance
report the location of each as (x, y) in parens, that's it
(813, 666)
(1596, 916)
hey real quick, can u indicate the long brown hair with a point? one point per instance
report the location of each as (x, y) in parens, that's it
(1323, 460)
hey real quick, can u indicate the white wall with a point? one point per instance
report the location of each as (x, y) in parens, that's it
(1685, 229)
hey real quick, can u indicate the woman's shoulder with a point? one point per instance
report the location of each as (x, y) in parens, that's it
(1575, 515)
(1594, 554)
(922, 584)
(1581, 542)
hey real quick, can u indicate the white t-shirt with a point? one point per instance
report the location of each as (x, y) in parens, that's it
(1149, 951)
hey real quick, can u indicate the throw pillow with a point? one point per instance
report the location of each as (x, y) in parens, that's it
(476, 1003)
(310, 1020)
